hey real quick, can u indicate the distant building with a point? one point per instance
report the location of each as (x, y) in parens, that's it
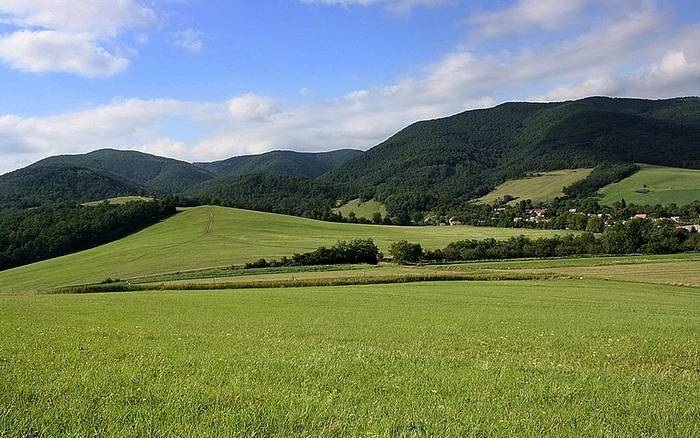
(692, 228)
(640, 216)
(453, 221)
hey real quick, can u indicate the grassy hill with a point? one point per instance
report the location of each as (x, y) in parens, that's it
(282, 163)
(543, 186)
(119, 200)
(466, 155)
(361, 209)
(655, 185)
(215, 236)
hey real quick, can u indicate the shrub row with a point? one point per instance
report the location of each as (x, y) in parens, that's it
(352, 252)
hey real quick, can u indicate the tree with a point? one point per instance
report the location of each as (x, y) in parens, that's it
(404, 252)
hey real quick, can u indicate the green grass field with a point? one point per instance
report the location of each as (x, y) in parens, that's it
(361, 209)
(120, 200)
(560, 358)
(206, 237)
(655, 185)
(541, 187)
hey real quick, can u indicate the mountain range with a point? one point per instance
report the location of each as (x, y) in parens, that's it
(428, 163)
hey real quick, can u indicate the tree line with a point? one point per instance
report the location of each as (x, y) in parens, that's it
(355, 251)
(28, 236)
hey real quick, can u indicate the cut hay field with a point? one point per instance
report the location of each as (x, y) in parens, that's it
(655, 185)
(450, 359)
(544, 186)
(361, 209)
(206, 237)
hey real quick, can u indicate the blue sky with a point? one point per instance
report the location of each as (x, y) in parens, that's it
(203, 80)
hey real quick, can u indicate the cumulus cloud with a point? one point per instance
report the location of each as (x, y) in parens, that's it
(252, 107)
(56, 51)
(68, 36)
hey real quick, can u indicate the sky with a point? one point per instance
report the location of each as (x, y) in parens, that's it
(202, 80)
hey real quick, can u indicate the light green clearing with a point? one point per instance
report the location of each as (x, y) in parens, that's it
(206, 237)
(559, 358)
(540, 187)
(665, 185)
(119, 200)
(361, 209)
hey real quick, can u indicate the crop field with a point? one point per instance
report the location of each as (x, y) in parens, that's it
(565, 357)
(544, 186)
(655, 185)
(206, 237)
(361, 209)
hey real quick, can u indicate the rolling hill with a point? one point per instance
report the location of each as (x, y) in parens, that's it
(655, 185)
(282, 163)
(205, 237)
(466, 155)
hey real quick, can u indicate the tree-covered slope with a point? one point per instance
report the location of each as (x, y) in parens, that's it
(466, 155)
(37, 185)
(282, 163)
(159, 174)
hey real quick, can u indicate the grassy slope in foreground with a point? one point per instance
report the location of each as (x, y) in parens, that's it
(665, 185)
(215, 236)
(561, 358)
(543, 186)
(362, 209)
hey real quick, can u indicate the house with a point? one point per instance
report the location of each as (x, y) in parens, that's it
(676, 219)
(573, 210)
(692, 228)
(453, 221)
(640, 216)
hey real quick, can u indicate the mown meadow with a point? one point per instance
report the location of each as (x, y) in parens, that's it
(526, 358)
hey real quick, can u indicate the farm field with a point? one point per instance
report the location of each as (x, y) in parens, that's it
(655, 185)
(361, 209)
(565, 357)
(205, 237)
(543, 186)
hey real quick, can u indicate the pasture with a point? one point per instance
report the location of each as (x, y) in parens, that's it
(205, 237)
(543, 186)
(655, 185)
(361, 209)
(566, 358)
(119, 200)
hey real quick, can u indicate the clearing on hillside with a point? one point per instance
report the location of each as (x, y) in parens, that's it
(205, 237)
(655, 185)
(119, 200)
(361, 209)
(540, 187)
(451, 359)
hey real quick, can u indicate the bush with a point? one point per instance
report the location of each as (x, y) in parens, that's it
(404, 252)
(352, 252)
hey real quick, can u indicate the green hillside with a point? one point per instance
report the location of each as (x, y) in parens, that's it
(465, 156)
(37, 185)
(361, 209)
(119, 200)
(282, 163)
(215, 236)
(159, 174)
(655, 185)
(543, 186)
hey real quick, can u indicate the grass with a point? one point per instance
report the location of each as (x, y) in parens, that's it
(120, 200)
(655, 185)
(206, 237)
(561, 358)
(540, 187)
(362, 209)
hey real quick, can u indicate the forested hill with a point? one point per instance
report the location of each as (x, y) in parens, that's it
(159, 174)
(466, 155)
(282, 163)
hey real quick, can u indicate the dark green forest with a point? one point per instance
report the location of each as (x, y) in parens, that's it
(28, 236)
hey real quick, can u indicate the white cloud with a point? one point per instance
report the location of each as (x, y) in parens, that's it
(67, 35)
(189, 39)
(99, 18)
(55, 51)
(252, 107)
(524, 15)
